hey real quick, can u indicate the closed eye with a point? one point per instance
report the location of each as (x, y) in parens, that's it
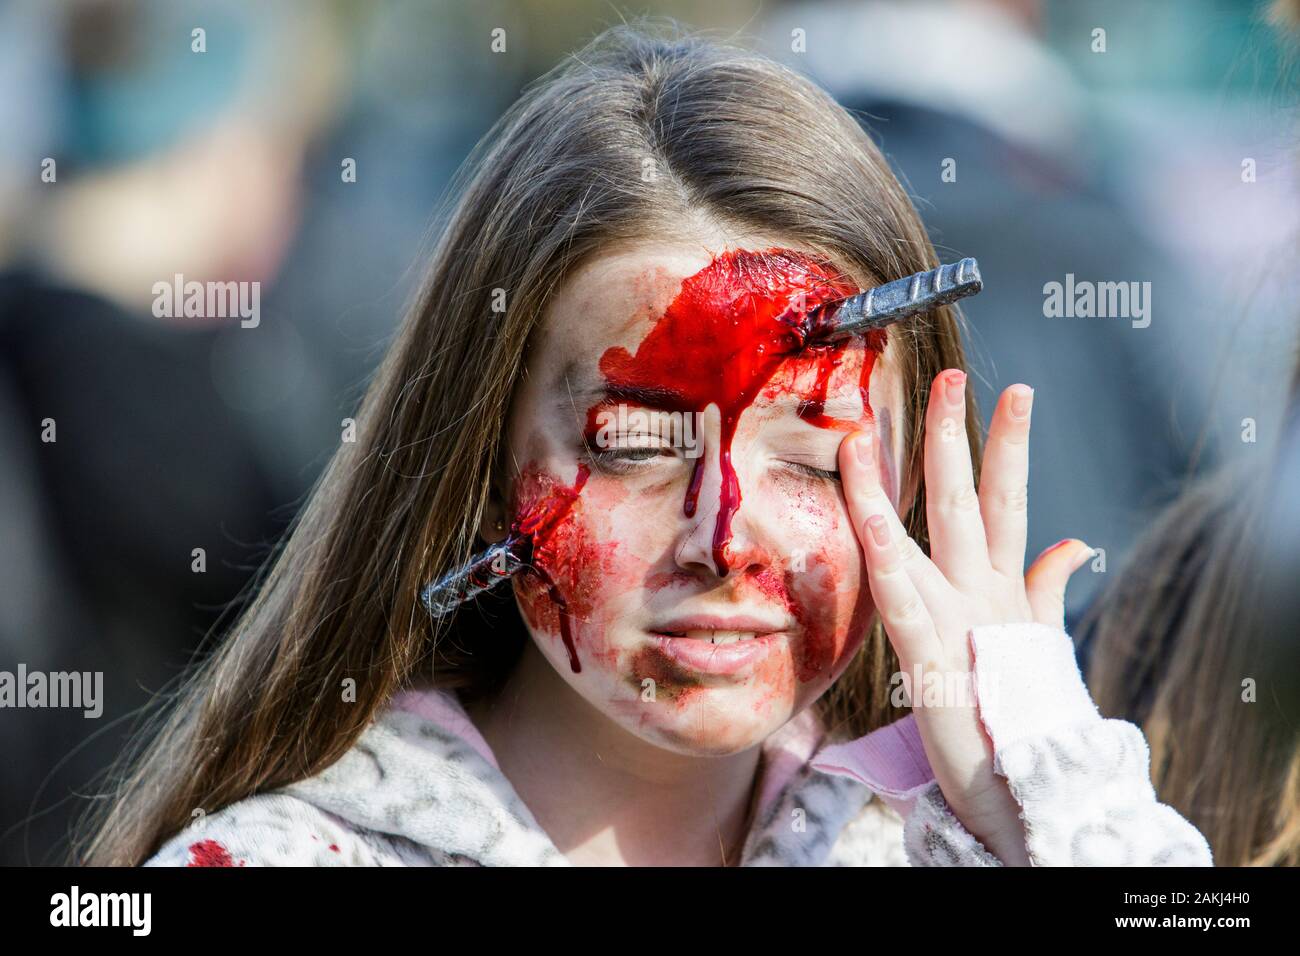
(813, 471)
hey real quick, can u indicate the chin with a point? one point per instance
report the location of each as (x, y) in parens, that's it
(626, 677)
(705, 722)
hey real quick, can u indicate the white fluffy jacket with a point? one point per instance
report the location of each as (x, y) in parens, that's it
(421, 788)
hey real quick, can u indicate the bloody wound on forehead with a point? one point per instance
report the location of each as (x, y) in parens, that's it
(719, 342)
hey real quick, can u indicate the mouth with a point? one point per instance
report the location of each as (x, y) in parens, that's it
(712, 637)
(720, 646)
(713, 624)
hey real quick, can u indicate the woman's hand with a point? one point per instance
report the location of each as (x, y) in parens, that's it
(974, 576)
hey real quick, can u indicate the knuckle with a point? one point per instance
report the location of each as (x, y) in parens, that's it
(891, 570)
(1012, 500)
(875, 500)
(963, 501)
(909, 551)
(909, 612)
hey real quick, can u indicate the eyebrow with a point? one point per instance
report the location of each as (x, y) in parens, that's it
(649, 396)
(667, 399)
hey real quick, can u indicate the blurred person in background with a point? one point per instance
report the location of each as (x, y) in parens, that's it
(124, 452)
(131, 157)
(1198, 637)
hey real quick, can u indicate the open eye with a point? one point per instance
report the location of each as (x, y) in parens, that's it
(628, 452)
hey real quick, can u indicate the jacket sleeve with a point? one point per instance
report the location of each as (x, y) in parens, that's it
(1082, 781)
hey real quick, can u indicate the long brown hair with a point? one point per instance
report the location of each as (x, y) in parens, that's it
(1196, 641)
(731, 135)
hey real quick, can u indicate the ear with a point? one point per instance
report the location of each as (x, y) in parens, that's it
(493, 526)
(495, 523)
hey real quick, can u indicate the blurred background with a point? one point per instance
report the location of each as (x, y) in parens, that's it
(1162, 149)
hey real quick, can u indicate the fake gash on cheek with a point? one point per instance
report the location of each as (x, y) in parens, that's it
(823, 596)
(554, 588)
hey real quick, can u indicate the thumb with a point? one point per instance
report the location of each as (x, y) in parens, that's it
(1046, 579)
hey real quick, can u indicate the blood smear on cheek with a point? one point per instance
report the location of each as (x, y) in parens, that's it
(840, 637)
(562, 555)
(780, 585)
(670, 680)
(814, 598)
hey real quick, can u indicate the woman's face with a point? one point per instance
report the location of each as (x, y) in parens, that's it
(673, 459)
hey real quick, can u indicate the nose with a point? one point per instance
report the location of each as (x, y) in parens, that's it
(719, 539)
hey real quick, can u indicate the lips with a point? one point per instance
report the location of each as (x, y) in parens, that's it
(735, 659)
(729, 624)
(725, 646)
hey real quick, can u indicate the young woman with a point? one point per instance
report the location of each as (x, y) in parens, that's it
(694, 670)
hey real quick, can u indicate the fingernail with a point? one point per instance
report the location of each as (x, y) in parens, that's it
(956, 387)
(879, 530)
(1022, 399)
(865, 446)
(1085, 552)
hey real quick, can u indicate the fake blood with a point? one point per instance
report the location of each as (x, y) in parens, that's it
(720, 341)
(210, 853)
(543, 522)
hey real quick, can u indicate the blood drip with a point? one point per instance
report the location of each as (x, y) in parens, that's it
(540, 523)
(721, 340)
(813, 408)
